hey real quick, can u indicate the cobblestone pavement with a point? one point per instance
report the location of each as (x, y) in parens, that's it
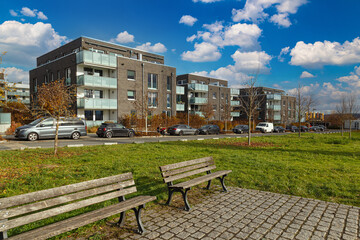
(250, 214)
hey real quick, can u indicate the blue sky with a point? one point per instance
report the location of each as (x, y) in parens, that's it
(312, 42)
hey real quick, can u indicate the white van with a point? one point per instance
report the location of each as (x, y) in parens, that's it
(265, 127)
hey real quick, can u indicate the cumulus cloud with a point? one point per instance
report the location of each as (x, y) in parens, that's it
(207, 1)
(325, 53)
(352, 80)
(41, 16)
(204, 52)
(255, 11)
(124, 37)
(214, 27)
(28, 12)
(191, 38)
(24, 41)
(283, 52)
(188, 20)
(13, 13)
(157, 48)
(306, 74)
(305, 89)
(16, 75)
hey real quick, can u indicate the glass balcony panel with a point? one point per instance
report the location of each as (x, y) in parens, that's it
(180, 90)
(234, 91)
(198, 87)
(5, 118)
(180, 107)
(235, 103)
(96, 81)
(198, 100)
(105, 59)
(235, 114)
(96, 58)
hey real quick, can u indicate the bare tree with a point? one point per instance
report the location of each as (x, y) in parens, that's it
(144, 105)
(303, 103)
(341, 111)
(352, 108)
(208, 111)
(250, 101)
(226, 113)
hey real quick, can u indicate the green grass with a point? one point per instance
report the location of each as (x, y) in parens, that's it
(325, 167)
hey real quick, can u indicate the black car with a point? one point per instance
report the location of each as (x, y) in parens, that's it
(209, 129)
(304, 128)
(110, 130)
(292, 128)
(241, 129)
(321, 127)
(279, 129)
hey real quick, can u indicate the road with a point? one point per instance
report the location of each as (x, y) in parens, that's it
(92, 139)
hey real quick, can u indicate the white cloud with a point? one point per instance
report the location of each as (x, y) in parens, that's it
(204, 52)
(283, 51)
(24, 41)
(41, 16)
(275, 85)
(240, 34)
(13, 13)
(352, 80)
(16, 75)
(188, 20)
(191, 38)
(28, 12)
(325, 53)
(124, 37)
(214, 27)
(254, 11)
(306, 74)
(305, 89)
(157, 48)
(207, 1)
(357, 70)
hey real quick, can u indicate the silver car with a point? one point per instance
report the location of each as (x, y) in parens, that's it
(182, 129)
(45, 128)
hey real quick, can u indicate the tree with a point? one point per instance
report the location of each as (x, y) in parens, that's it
(143, 105)
(208, 111)
(303, 103)
(341, 111)
(226, 113)
(54, 99)
(352, 108)
(250, 101)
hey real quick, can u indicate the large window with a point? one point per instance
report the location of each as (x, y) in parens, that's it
(131, 94)
(168, 83)
(131, 75)
(168, 100)
(88, 93)
(152, 99)
(152, 80)
(214, 95)
(99, 115)
(89, 115)
(98, 94)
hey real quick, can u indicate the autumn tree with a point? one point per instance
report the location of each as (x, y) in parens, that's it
(226, 114)
(144, 104)
(208, 111)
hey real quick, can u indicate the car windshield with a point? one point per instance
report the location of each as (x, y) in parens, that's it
(206, 126)
(36, 121)
(262, 125)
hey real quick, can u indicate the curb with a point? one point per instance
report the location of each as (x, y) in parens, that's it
(75, 145)
(111, 143)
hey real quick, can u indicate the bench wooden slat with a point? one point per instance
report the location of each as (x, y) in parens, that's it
(63, 199)
(186, 169)
(82, 220)
(196, 181)
(187, 174)
(63, 209)
(54, 192)
(184, 164)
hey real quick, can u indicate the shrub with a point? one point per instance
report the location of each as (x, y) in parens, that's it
(11, 129)
(1, 138)
(92, 129)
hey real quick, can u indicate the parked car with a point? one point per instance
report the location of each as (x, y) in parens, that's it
(109, 130)
(321, 127)
(209, 129)
(182, 129)
(304, 128)
(241, 129)
(292, 128)
(265, 127)
(279, 129)
(45, 128)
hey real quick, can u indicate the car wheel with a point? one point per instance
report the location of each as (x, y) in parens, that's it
(108, 134)
(75, 135)
(197, 132)
(33, 137)
(131, 134)
(206, 132)
(181, 133)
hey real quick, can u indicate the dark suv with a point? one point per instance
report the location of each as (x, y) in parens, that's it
(241, 129)
(209, 129)
(110, 130)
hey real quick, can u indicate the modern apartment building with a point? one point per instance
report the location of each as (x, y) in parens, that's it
(201, 93)
(17, 91)
(111, 80)
(275, 105)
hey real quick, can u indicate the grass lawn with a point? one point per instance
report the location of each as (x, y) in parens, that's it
(325, 167)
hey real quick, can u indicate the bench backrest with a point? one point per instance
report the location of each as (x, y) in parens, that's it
(185, 169)
(31, 207)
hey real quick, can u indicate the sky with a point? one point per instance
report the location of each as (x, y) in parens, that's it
(314, 43)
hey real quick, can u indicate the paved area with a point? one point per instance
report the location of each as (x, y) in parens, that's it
(251, 214)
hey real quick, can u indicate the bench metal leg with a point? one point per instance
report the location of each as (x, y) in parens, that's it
(184, 194)
(121, 221)
(222, 182)
(3, 235)
(171, 192)
(137, 211)
(208, 185)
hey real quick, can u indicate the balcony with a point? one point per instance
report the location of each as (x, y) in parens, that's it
(197, 113)
(234, 91)
(89, 57)
(198, 100)
(24, 101)
(273, 97)
(274, 107)
(277, 117)
(96, 81)
(235, 114)
(198, 87)
(235, 103)
(97, 103)
(180, 107)
(180, 90)
(18, 93)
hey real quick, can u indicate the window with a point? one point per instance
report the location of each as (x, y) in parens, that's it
(67, 73)
(152, 99)
(99, 115)
(178, 99)
(52, 77)
(168, 100)
(46, 79)
(168, 83)
(152, 81)
(47, 123)
(222, 107)
(214, 95)
(131, 75)
(214, 108)
(98, 72)
(98, 94)
(88, 71)
(88, 93)
(58, 75)
(222, 95)
(131, 94)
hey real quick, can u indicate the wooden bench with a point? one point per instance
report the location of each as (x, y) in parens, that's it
(176, 171)
(31, 207)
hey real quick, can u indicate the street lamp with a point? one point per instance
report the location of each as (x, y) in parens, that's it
(188, 107)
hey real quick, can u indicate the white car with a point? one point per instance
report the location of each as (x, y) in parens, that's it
(265, 127)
